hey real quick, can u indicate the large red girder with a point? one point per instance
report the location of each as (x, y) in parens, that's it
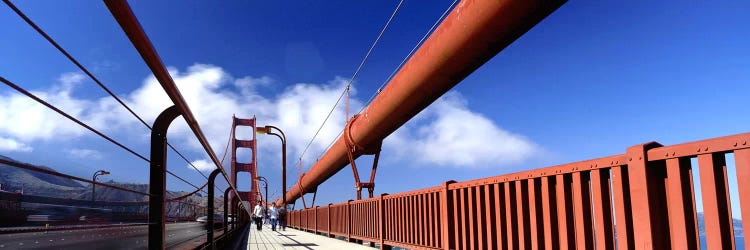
(474, 32)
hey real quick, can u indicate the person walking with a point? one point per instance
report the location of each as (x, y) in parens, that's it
(267, 216)
(282, 218)
(273, 213)
(258, 214)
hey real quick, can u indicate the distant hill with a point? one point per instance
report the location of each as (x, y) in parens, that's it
(37, 183)
(737, 223)
(110, 194)
(34, 183)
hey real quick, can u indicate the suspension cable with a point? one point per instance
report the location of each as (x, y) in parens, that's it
(82, 124)
(188, 194)
(125, 17)
(64, 52)
(411, 53)
(226, 150)
(50, 106)
(88, 73)
(356, 72)
(393, 73)
(186, 160)
(185, 181)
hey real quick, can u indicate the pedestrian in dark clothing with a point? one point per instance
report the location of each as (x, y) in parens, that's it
(282, 218)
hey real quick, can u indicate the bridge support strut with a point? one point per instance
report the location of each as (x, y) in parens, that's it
(353, 151)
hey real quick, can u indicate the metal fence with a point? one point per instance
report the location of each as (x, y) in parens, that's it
(642, 199)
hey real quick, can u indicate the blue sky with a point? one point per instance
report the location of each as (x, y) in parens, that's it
(590, 80)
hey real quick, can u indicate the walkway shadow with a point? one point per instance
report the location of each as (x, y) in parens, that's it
(296, 243)
(241, 241)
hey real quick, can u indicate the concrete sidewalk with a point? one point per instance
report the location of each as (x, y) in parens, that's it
(295, 239)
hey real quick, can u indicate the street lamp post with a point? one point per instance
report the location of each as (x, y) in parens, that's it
(93, 185)
(268, 130)
(263, 179)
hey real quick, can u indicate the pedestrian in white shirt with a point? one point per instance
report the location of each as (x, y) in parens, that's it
(258, 213)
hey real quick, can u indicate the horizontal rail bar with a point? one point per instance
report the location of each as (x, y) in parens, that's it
(129, 23)
(715, 145)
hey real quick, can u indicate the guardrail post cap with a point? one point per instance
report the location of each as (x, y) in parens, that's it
(448, 182)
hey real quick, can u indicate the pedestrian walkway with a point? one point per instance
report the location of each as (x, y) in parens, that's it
(295, 239)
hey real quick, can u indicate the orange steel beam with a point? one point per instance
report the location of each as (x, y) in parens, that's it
(474, 32)
(129, 23)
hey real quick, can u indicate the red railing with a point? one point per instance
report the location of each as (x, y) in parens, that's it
(643, 199)
(339, 219)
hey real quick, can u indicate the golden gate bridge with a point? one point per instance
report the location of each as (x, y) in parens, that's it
(643, 198)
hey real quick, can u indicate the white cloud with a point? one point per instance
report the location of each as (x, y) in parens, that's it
(82, 153)
(248, 84)
(299, 110)
(203, 165)
(446, 134)
(213, 97)
(70, 80)
(27, 120)
(303, 108)
(455, 136)
(212, 94)
(10, 145)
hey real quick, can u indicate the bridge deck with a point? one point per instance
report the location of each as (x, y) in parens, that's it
(296, 239)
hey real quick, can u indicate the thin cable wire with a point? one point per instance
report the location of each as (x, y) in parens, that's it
(186, 160)
(183, 180)
(188, 194)
(356, 72)
(96, 80)
(393, 73)
(64, 52)
(226, 150)
(32, 96)
(82, 124)
(411, 53)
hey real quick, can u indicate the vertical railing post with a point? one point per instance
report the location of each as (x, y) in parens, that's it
(237, 213)
(446, 223)
(315, 215)
(158, 177)
(681, 197)
(240, 215)
(210, 212)
(648, 220)
(717, 211)
(329, 219)
(622, 207)
(226, 211)
(349, 221)
(242, 212)
(381, 222)
(742, 168)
